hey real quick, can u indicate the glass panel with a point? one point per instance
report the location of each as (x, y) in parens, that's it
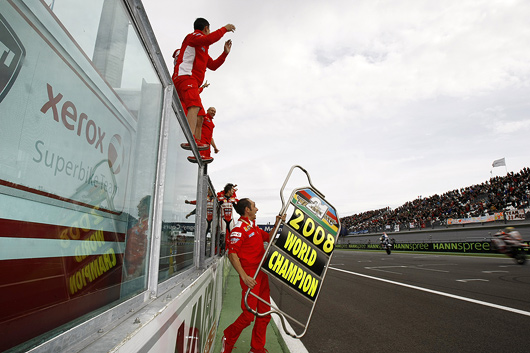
(105, 34)
(178, 215)
(210, 200)
(216, 227)
(77, 166)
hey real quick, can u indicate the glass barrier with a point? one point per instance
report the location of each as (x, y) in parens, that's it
(219, 239)
(210, 228)
(79, 143)
(214, 239)
(178, 214)
(106, 35)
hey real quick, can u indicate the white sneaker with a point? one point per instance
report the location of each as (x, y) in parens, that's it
(226, 348)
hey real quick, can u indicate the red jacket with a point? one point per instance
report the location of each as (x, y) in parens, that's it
(207, 129)
(247, 241)
(193, 58)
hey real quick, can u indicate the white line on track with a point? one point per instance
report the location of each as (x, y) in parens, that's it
(294, 345)
(424, 268)
(428, 269)
(381, 268)
(499, 271)
(491, 305)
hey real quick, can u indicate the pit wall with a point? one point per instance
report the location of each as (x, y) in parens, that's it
(99, 247)
(177, 321)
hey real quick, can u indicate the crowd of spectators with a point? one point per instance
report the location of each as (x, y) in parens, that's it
(497, 194)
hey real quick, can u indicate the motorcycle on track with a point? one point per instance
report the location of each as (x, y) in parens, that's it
(510, 243)
(386, 244)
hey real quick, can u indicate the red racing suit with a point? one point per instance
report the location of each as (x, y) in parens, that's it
(209, 208)
(207, 134)
(226, 205)
(226, 210)
(247, 240)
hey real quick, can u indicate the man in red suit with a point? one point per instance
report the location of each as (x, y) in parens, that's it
(191, 64)
(207, 136)
(245, 251)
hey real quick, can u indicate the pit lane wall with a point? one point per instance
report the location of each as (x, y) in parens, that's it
(178, 321)
(98, 248)
(479, 247)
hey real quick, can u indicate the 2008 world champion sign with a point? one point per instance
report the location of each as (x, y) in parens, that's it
(299, 256)
(302, 251)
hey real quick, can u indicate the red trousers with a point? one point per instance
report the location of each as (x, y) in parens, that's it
(259, 331)
(206, 153)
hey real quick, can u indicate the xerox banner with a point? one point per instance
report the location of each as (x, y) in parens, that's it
(65, 134)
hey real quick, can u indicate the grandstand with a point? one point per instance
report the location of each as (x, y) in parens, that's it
(494, 198)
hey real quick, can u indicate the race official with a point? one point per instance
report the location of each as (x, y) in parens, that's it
(245, 250)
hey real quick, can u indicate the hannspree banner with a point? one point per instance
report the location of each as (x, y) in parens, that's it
(64, 131)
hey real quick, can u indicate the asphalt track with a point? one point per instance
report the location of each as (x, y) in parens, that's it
(374, 302)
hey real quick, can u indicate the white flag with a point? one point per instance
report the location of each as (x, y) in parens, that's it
(499, 163)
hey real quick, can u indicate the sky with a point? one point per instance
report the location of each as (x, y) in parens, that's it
(380, 101)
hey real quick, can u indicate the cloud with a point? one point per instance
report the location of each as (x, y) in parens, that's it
(380, 101)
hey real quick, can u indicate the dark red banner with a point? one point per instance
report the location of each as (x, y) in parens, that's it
(75, 271)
